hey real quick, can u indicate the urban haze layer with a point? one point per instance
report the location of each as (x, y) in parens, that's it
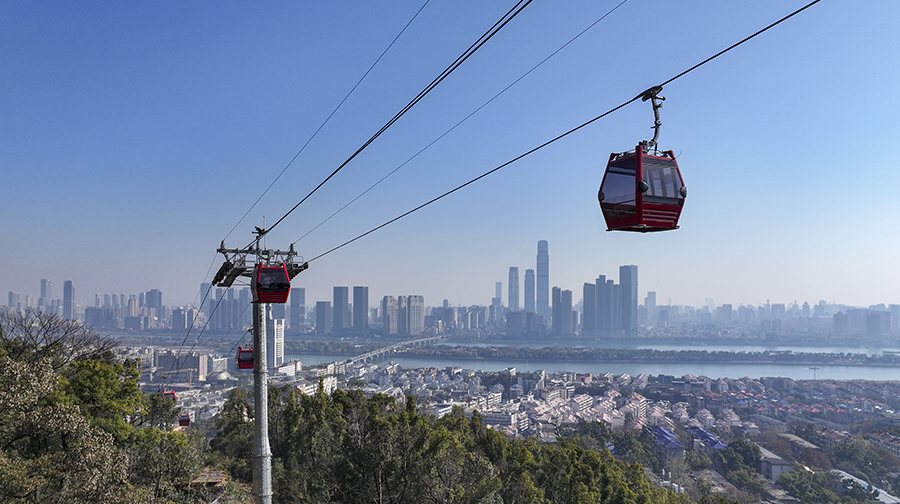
(607, 310)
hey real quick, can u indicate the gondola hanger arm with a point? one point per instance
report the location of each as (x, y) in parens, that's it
(652, 94)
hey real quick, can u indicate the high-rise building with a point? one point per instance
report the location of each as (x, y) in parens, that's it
(602, 302)
(274, 337)
(360, 309)
(323, 317)
(298, 309)
(153, 301)
(628, 285)
(226, 316)
(513, 288)
(242, 306)
(562, 312)
(498, 290)
(217, 317)
(68, 300)
(555, 304)
(13, 300)
(389, 316)
(402, 316)
(589, 310)
(650, 306)
(279, 310)
(206, 299)
(341, 313)
(45, 299)
(543, 280)
(183, 318)
(415, 311)
(529, 290)
(515, 323)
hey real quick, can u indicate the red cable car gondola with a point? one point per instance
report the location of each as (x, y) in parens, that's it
(641, 191)
(270, 284)
(244, 358)
(184, 419)
(170, 394)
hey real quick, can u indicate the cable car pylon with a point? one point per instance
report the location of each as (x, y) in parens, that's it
(270, 273)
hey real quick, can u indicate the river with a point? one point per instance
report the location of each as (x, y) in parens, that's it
(712, 370)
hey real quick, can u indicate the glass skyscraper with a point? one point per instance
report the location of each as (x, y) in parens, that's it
(513, 288)
(628, 289)
(529, 290)
(543, 280)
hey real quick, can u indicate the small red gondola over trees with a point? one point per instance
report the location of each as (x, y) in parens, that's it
(244, 358)
(642, 190)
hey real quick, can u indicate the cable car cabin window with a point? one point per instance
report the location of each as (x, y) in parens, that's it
(273, 280)
(270, 284)
(661, 175)
(618, 190)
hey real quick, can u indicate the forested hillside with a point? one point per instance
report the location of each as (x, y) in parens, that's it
(75, 427)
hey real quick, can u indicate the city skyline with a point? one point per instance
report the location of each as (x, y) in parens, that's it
(152, 298)
(152, 129)
(607, 310)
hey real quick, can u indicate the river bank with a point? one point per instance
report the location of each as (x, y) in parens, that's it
(603, 355)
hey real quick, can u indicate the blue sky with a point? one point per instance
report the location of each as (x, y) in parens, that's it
(136, 135)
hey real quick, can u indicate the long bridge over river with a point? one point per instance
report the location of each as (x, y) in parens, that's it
(381, 352)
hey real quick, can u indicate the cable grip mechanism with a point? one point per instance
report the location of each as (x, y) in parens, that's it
(652, 94)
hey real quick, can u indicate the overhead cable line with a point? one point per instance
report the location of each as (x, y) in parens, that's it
(464, 119)
(512, 13)
(212, 312)
(567, 133)
(326, 120)
(188, 332)
(238, 319)
(302, 148)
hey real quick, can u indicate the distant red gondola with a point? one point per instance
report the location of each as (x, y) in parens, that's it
(184, 419)
(244, 358)
(270, 284)
(171, 394)
(642, 190)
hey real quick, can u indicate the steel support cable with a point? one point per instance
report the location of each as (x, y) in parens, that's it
(567, 133)
(203, 329)
(239, 317)
(745, 39)
(188, 332)
(327, 119)
(464, 119)
(512, 13)
(476, 179)
(205, 296)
